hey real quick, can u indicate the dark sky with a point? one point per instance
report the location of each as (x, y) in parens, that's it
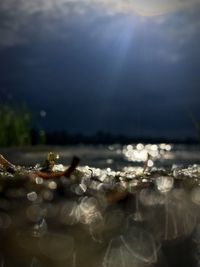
(123, 66)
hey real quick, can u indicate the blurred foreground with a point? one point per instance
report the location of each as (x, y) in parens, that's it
(113, 211)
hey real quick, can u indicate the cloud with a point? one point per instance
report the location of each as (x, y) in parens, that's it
(143, 7)
(22, 20)
(108, 46)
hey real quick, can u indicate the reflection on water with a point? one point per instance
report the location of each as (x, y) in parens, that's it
(104, 216)
(140, 152)
(113, 156)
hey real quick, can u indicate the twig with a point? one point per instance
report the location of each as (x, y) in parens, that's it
(66, 173)
(6, 164)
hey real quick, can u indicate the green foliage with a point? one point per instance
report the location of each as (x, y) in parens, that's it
(15, 126)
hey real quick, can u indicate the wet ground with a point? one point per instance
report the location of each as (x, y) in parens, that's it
(135, 205)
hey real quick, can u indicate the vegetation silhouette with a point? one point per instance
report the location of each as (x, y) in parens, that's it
(15, 125)
(18, 127)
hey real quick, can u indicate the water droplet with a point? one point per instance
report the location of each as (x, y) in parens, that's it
(47, 195)
(135, 249)
(87, 210)
(117, 254)
(109, 161)
(68, 213)
(40, 229)
(39, 180)
(141, 244)
(52, 185)
(149, 197)
(32, 196)
(164, 183)
(80, 189)
(150, 163)
(140, 146)
(132, 185)
(58, 167)
(43, 113)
